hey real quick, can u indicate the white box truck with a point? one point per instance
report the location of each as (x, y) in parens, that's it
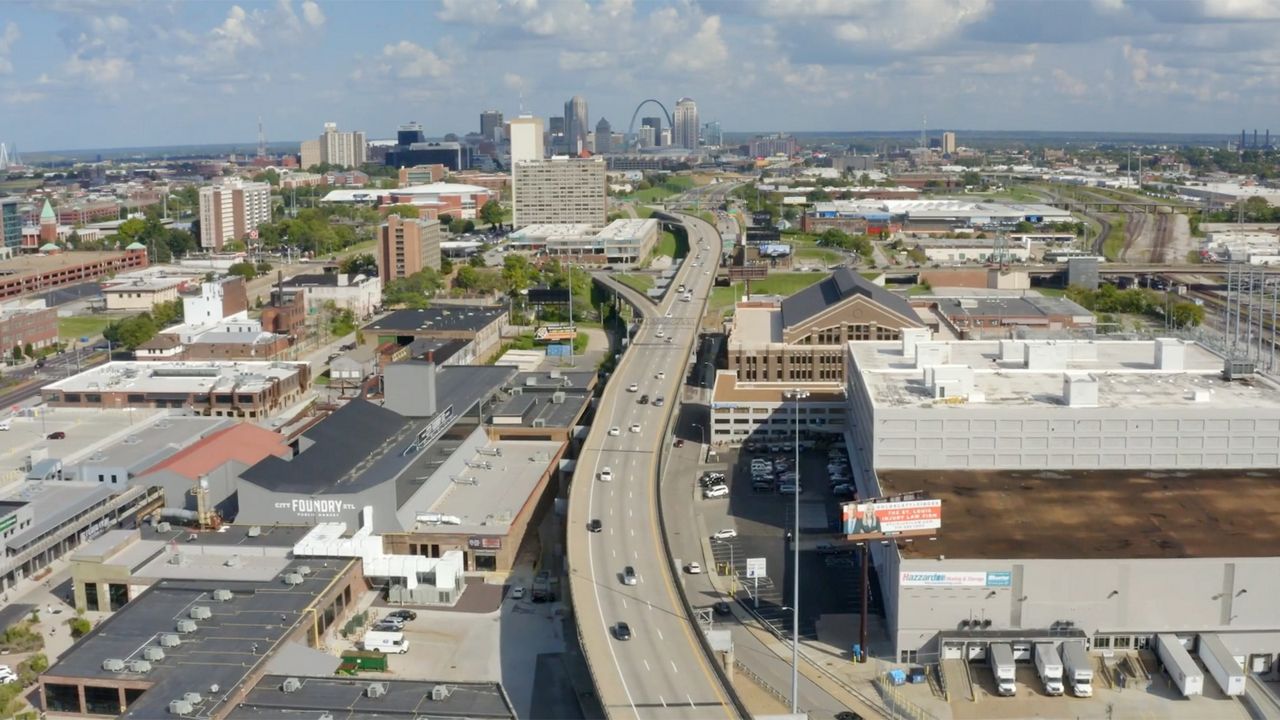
(385, 642)
(1180, 665)
(1049, 667)
(1222, 665)
(1000, 656)
(1078, 667)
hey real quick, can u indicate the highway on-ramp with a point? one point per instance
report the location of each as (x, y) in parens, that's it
(661, 671)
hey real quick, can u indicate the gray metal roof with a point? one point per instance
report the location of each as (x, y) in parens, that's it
(842, 284)
(346, 699)
(450, 318)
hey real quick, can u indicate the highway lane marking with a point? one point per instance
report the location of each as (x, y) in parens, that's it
(690, 699)
(646, 664)
(660, 637)
(674, 669)
(624, 603)
(662, 700)
(633, 532)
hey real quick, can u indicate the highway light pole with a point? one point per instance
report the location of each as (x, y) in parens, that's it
(796, 396)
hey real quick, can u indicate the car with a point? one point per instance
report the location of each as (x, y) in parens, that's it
(762, 486)
(679, 442)
(668, 313)
(393, 619)
(614, 431)
(5, 424)
(721, 608)
(633, 387)
(847, 715)
(644, 400)
(715, 491)
(622, 631)
(693, 568)
(660, 333)
(56, 435)
(790, 489)
(384, 626)
(635, 427)
(629, 575)
(668, 341)
(517, 592)
(405, 615)
(660, 376)
(606, 475)
(725, 534)
(659, 402)
(595, 525)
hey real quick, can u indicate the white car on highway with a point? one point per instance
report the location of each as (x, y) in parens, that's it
(635, 427)
(661, 375)
(606, 475)
(614, 431)
(633, 387)
(693, 568)
(724, 534)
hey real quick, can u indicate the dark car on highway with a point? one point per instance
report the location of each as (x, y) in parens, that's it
(57, 435)
(622, 631)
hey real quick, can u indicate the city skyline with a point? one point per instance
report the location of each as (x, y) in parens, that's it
(152, 75)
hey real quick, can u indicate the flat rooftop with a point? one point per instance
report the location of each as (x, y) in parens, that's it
(729, 390)
(1096, 514)
(87, 429)
(345, 699)
(35, 264)
(224, 650)
(178, 377)
(626, 228)
(490, 489)
(1125, 371)
(754, 326)
(440, 318)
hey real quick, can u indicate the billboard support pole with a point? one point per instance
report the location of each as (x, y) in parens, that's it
(862, 620)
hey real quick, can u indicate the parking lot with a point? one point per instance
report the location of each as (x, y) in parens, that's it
(763, 518)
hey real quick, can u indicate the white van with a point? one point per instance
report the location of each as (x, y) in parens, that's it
(385, 642)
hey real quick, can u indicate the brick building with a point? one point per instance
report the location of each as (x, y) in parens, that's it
(21, 324)
(40, 273)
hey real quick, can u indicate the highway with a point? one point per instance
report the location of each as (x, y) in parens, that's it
(661, 672)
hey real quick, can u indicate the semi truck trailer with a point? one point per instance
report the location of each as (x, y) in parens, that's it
(1078, 668)
(1049, 667)
(1180, 665)
(1222, 665)
(1000, 656)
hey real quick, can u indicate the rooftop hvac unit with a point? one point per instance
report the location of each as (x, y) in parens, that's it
(187, 626)
(304, 570)
(255, 531)
(292, 578)
(113, 665)
(180, 707)
(1236, 369)
(170, 640)
(291, 684)
(163, 526)
(325, 716)
(375, 690)
(139, 666)
(153, 653)
(200, 612)
(192, 697)
(223, 595)
(233, 561)
(557, 398)
(539, 422)
(441, 692)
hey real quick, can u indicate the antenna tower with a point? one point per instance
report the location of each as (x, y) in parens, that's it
(262, 140)
(924, 131)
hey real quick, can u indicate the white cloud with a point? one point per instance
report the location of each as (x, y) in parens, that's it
(409, 60)
(99, 71)
(312, 13)
(1241, 9)
(235, 32)
(514, 82)
(1068, 85)
(7, 40)
(576, 61)
(703, 52)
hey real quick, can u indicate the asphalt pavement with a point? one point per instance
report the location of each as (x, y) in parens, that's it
(661, 671)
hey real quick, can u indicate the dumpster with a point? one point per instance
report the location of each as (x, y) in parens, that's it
(359, 660)
(917, 676)
(897, 677)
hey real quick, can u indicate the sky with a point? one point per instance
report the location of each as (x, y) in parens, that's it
(103, 73)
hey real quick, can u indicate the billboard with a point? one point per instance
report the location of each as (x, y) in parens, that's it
(999, 579)
(554, 333)
(548, 296)
(873, 520)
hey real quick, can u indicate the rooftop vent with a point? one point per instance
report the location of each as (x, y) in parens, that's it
(180, 707)
(163, 526)
(170, 640)
(375, 690)
(255, 531)
(192, 697)
(325, 716)
(153, 653)
(187, 626)
(139, 666)
(233, 561)
(200, 612)
(441, 692)
(223, 595)
(291, 684)
(292, 578)
(113, 665)
(304, 570)
(1079, 390)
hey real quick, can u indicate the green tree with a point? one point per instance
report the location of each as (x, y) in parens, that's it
(468, 278)
(28, 350)
(1187, 315)
(1024, 226)
(17, 354)
(446, 266)
(445, 219)
(414, 291)
(79, 627)
(404, 210)
(477, 260)
(971, 178)
(491, 212)
(458, 226)
(517, 273)
(243, 269)
(362, 263)
(268, 176)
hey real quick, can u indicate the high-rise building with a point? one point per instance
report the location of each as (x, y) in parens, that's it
(654, 124)
(10, 223)
(490, 124)
(665, 139)
(343, 149)
(604, 135)
(406, 246)
(686, 119)
(231, 209)
(310, 154)
(526, 139)
(560, 190)
(575, 124)
(555, 135)
(712, 135)
(645, 138)
(776, 144)
(948, 143)
(410, 133)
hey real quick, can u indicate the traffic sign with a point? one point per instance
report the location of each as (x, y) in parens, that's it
(755, 568)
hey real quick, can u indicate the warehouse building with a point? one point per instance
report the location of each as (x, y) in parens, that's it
(479, 325)
(1079, 481)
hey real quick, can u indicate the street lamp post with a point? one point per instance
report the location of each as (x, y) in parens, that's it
(796, 396)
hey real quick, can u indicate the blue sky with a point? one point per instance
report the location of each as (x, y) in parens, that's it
(101, 73)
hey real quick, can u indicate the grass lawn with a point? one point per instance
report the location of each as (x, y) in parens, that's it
(644, 211)
(784, 284)
(1114, 243)
(639, 283)
(822, 255)
(1049, 291)
(671, 247)
(78, 326)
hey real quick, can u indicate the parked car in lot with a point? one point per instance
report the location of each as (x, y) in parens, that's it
(716, 491)
(725, 534)
(404, 615)
(790, 489)
(517, 592)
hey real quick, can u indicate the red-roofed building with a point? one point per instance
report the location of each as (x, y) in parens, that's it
(217, 459)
